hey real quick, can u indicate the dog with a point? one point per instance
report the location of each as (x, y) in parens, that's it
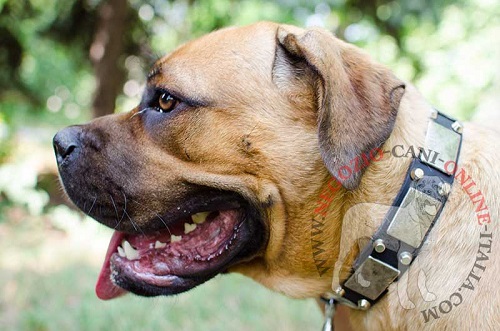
(220, 166)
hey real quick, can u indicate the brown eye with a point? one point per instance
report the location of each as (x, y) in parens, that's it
(167, 103)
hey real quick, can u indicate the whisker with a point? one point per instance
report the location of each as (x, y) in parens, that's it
(156, 214)
(130, 219)
(114, 206)
(123, 215)
(124, 206)
(166, 226)
(136, 227)
(119, 221)
(91, 207)
(139, 112)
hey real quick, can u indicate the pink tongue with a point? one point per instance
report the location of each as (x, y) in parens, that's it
(105, 289)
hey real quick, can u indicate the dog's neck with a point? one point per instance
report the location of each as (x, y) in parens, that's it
(364, 208)
(322, 216)
(361, 212)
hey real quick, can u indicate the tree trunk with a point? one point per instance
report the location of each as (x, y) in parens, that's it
(105, 52)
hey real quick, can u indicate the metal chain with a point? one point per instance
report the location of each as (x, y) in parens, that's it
(329, 314)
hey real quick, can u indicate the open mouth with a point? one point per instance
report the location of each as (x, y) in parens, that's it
(172, 234)
(184, 254)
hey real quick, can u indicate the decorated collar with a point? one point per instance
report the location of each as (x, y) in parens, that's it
(397, 242)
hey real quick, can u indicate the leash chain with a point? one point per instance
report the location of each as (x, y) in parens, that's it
(329, 314)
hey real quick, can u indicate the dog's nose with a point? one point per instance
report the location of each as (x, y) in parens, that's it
(66, 143)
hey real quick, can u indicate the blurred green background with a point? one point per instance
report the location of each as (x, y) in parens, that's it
(64, 62)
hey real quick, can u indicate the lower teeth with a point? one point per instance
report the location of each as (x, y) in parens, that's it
(174, 238)
(159, 244)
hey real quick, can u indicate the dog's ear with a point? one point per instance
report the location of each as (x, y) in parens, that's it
(357, 99)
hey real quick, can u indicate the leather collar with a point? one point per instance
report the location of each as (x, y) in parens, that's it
(397, 242)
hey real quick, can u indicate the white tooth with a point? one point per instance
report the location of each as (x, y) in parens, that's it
(200, 217)
(121, 252)
(130, 252)
(159, 244)
(174, 238)
(189, 227)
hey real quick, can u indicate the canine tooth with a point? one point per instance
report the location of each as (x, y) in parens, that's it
(121, 252)
(130, 252)
(199, 218)
(174, 238)
(189, 227)
(159, 244)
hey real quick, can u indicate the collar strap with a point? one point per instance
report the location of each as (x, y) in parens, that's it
(397, 242)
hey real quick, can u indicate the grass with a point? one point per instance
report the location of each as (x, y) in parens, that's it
(49, 265)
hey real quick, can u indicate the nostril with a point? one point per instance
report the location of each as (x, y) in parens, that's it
(63, 151)
(66, 152)
(65, 143)
(70, 149)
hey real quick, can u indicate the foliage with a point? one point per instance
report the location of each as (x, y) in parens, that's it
(46, 75)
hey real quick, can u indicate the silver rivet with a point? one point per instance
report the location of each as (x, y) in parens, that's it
(417, 174)
(340, 291)
(444, 189)
(457, 126)
(363, 304)
(405, 258)
(434, 114)
(379, 245)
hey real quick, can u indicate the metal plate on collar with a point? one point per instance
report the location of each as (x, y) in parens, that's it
(372, 278)
(441, 141)
(414, 217)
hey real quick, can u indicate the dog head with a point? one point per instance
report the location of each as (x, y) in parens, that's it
(217, 168)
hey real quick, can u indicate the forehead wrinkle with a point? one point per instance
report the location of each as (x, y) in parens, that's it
(167, 79)
(226, 76)
(230, 64)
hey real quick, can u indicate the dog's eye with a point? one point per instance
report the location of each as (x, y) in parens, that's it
(166, 103)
